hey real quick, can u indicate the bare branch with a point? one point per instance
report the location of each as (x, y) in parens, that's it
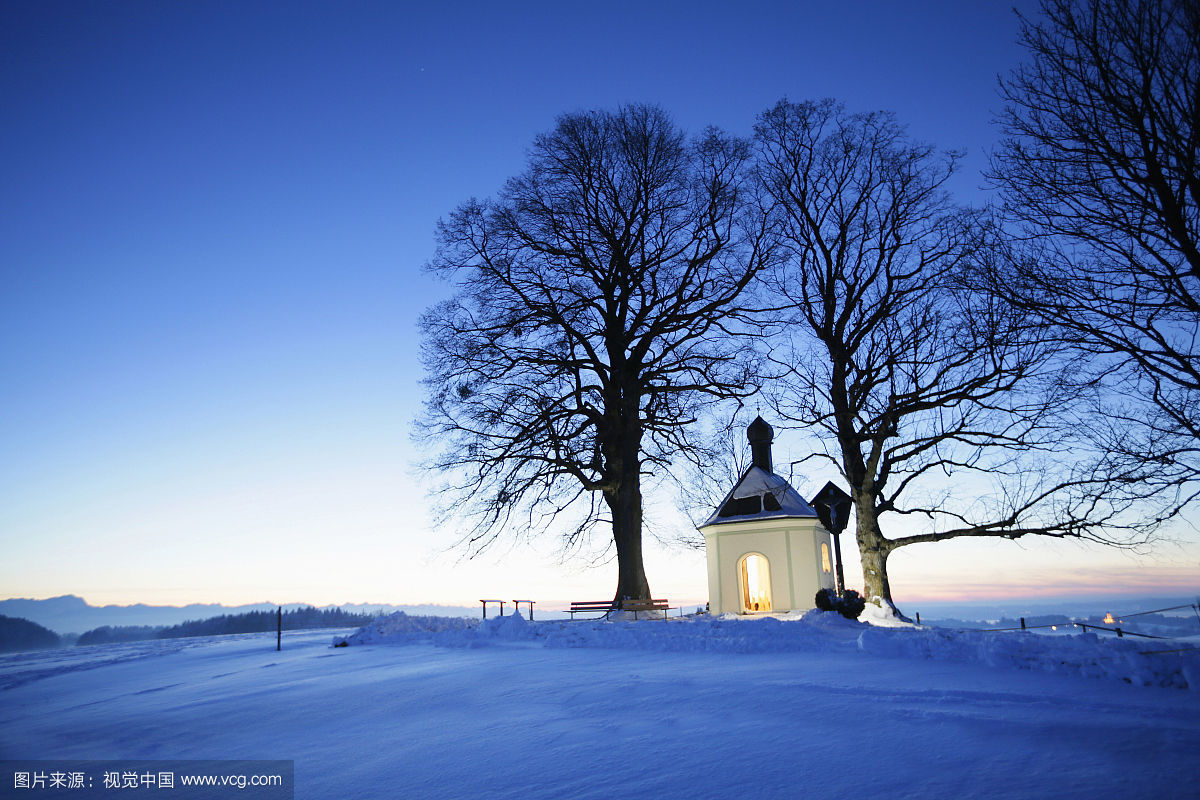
(1100, 174)
(945, 401)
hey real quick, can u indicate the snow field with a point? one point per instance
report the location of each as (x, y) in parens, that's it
(1140, 662)
(694, 709)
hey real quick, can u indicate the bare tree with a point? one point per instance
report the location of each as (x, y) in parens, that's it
(937, 402)
(1100, 173)
(591, 326)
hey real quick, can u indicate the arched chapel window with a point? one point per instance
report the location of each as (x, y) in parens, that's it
(754, 577)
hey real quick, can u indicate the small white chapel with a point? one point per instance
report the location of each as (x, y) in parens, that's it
(767, 551)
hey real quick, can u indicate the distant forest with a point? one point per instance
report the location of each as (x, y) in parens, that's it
(21, 634)
(251, 622)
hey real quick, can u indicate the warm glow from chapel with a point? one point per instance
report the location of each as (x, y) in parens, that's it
(755, 578)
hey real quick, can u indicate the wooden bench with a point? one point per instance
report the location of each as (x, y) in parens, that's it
(494, 600)
(516, 603)
(645, 605)
(606, 607)
(593, 606)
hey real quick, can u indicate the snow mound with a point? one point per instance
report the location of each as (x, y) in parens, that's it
(514, 626)
(829, 619)
(400, 627)
(1086, 655)
(883, 615)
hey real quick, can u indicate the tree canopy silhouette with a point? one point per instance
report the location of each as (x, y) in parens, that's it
(596, 296)
(938, 400)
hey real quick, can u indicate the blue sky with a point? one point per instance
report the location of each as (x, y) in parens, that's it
(212, 221)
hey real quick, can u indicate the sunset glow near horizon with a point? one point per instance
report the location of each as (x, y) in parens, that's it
(212, 226)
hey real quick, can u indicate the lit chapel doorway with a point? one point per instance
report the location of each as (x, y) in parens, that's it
(754, 580)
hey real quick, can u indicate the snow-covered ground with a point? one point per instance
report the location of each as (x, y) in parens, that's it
(697, 708)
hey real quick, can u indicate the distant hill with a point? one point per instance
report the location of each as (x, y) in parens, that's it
(72, 614)
(21, 634)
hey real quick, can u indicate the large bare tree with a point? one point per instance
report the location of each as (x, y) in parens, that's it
(591, 325)
(1100, 174)
(937, 402)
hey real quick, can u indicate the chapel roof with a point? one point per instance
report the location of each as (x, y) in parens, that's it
(760, 494)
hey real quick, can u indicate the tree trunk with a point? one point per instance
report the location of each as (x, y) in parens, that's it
(624, 499)
(626, 507)
(874, 550)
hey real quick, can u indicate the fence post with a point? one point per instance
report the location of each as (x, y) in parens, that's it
(1120, 634)
(918, 617)
(1022, 623)
(279, 629)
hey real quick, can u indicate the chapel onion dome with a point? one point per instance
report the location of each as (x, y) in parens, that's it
(760, 431)
(760, 436)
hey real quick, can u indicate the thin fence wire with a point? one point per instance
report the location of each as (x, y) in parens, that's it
(1192, 606)
(1121, 632)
